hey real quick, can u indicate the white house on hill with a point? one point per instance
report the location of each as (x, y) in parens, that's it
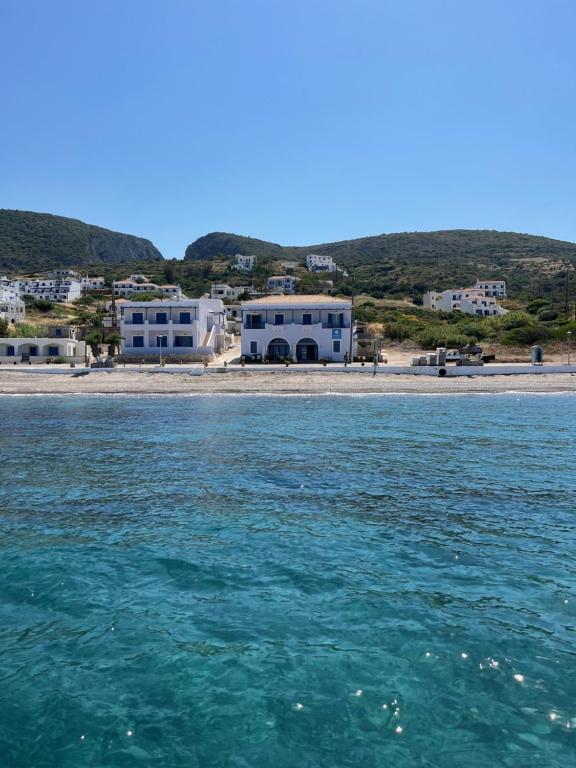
(305, 328)
(472, 301)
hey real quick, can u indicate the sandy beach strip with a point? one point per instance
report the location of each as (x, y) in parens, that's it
(291, 381)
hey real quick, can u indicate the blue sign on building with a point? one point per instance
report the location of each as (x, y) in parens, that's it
(336, 333)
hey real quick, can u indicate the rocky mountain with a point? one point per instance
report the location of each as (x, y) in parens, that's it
(34, 241)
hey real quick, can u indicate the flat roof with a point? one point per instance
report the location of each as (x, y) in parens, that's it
(302, 300)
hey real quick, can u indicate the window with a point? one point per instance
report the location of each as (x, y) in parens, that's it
(138, 318)
(335, 320)
(185, 318)
(336, 346)
(253, 347)
(307, 319)
(183, 341)
(137, 341)
(254, 321)
(161, 341)
(161, 318)
(53, 351)
(278, 319)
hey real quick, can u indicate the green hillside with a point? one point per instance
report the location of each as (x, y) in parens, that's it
(410, 263)
(35, 241)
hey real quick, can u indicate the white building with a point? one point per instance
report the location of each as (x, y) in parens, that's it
(472, 301)
(12, 308)
(60, 290)
(192, 328)
(127, 288)
(496, 288)
(93, 283)
(304, 328)
(318, 263)
(38, 350)
(223, 291)
(281, 284)
(245, 263)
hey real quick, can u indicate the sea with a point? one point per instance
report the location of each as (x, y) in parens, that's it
(288, 581)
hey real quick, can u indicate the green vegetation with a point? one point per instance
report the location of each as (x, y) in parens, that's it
(411, 263)
(35, 241)
(428, 329)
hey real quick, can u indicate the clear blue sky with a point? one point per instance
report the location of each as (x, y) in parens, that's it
(298, 121)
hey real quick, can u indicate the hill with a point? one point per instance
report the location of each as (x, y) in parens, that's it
(413, 262)
(34, 241)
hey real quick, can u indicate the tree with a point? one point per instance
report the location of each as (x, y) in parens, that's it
(113, 341)
(93, 339)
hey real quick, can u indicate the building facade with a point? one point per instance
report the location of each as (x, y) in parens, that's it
(65, 347)
(93, 283)
(12, 308)
(472, 301)
(318, 263)
(303, 328)
(495, 288)
(129, 288)
(281, 284)
(245, 263)
(223, 291)
(58, 290)
(195, 329)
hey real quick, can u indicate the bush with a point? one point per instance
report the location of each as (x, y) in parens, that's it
(548, 314)
(516, 320)
(43, 305)
(535, 306)
(368, 312)
(527, 335)
(398, 331)
(440, 336)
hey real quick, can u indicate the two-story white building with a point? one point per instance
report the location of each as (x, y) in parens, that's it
(223, 291)
(245, 263)
(496, 288)
(128, 288)
(303, 328)
(472, 301)
(12, 308)
(281, 284)
(93, 283)
(319, 263)
(194, 329)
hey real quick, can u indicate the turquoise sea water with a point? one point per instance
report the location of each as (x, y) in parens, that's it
(288, 581)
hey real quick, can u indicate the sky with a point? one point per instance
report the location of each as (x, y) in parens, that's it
(296, 121)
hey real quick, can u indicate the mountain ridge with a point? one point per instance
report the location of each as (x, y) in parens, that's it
(32, 241)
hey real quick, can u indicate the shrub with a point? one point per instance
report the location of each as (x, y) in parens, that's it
(398, 331)
(548, 314)
(535, 306)
(43, 305)
(516, 320)
(529, 334)
(440, 336)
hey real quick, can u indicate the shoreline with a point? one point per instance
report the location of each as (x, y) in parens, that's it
(120, 381)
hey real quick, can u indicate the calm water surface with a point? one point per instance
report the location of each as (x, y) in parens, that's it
(257, 582)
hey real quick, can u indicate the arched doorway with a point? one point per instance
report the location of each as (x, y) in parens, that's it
(306, 350)
(278, 349)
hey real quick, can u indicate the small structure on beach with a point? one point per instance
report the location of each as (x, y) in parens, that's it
(298, 328)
